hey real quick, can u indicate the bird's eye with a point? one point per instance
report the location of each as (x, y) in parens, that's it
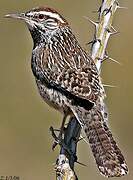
(41, 16)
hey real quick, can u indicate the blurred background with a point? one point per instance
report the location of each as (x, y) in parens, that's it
(25, 141)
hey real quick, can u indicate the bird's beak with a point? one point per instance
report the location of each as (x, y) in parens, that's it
(22, 16)
(16, 16)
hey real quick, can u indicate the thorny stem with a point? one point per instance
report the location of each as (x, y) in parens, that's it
(103, 29)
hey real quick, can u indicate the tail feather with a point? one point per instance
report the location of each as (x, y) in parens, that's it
(108, 156)
(117, 151)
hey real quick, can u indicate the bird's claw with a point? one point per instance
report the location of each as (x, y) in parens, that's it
(55, 143)
(57, 139)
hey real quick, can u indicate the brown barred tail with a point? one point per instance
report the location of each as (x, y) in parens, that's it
(108, 156)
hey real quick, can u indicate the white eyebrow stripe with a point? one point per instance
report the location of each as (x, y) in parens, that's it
(51, 14)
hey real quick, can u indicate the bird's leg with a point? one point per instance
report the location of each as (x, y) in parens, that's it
(59, 138)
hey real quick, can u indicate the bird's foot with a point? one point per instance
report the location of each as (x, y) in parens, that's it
(57, 139)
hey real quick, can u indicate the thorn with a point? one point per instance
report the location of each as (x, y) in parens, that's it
(114, 61)
(81, 164)
(94, 23)
(91, 42)
(95, 11)
(113, 29)
(108, 85)
(114, 33)
(121, 7)
(107, 57)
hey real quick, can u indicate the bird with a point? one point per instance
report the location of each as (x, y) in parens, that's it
(68, 80)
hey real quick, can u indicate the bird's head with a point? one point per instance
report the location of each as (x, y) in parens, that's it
(41, 18)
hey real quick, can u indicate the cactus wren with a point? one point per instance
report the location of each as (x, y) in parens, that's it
(68, 80)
